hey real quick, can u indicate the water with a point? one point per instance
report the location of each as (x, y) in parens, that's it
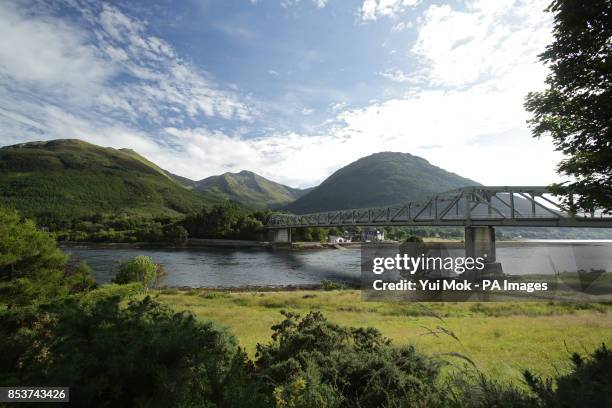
(223, 267)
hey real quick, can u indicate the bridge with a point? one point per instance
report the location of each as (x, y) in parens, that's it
(479, 209)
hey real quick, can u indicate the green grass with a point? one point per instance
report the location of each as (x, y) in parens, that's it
(501, 338)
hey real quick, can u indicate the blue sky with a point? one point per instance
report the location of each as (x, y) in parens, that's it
(290, 89)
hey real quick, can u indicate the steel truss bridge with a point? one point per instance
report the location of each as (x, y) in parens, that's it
(468, 207)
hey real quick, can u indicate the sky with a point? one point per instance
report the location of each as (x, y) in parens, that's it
(290, 89)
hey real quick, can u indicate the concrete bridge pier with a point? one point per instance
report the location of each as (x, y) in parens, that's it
(480, 242)
(281, 235)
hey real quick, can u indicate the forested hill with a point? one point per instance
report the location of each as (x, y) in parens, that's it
(376, 180)
(69, 178)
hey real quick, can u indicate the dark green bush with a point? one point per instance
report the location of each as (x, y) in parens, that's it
(314, 360)
(144, 355)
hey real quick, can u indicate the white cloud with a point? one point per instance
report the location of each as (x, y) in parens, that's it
(477, 129)
(374, 9)
(165, 83)
(402, 26)
(397, 75)
(108, 62)
(489, 40)
(48, 54)
(290, 3)
(41, 122)
(338, 106)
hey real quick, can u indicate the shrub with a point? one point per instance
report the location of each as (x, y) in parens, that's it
(144, 355)
(312, 360)
(141, 269)
(331, 285)
(112, 290)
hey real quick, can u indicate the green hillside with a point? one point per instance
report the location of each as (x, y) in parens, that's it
(379, 179)
(183, 181)
(70, 178)
(249, 189)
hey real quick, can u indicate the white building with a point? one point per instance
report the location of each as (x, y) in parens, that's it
(335, 239)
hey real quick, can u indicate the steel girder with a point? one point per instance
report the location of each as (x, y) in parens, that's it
(468, 206)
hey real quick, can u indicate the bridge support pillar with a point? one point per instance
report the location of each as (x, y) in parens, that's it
(480, 242)
(281, 235)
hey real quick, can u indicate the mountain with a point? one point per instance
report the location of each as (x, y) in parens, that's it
(183, 181)
(248, 188)
(377, 180)
(72, 178)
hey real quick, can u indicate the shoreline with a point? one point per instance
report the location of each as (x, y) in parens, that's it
(197, 243)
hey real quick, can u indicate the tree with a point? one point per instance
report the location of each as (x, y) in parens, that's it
(319, 234)
(225, 221)
(576, 107)
(31, 265)
(177, 234)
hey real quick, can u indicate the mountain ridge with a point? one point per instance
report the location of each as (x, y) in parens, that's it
(72, 171)
(249, 188)
(383, 178)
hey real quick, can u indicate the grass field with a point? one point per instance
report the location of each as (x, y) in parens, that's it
(501, 338)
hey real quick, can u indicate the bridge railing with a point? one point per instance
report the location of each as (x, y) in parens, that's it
(478, 205)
